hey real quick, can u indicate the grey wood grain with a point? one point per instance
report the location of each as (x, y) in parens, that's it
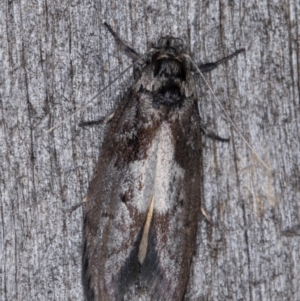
(55, 55)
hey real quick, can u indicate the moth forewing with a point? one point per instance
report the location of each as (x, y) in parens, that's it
(143, 204)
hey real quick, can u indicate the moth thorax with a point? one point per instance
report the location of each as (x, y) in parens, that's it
(169, 69)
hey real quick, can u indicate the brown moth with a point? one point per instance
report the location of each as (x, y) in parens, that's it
(144, 202)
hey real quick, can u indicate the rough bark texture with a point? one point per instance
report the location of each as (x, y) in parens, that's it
(55, 55)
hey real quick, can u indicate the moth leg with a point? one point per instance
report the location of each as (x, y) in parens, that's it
(207, 133)
(131, 53)
(76, 206)
(211, 66)
(95, 122)
(213, 135)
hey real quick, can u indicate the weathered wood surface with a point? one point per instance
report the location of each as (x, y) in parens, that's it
(55, 55)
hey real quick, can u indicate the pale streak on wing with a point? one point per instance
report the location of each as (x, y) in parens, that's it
(144, 242)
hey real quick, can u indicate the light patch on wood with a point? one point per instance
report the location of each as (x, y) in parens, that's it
(144, 242)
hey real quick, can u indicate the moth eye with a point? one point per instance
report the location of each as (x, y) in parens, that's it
(178, 42)
(162, 41)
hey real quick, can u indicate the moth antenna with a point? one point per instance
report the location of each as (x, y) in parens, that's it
(111, 82)
(144, 241)
(227, 115)
(84, 106)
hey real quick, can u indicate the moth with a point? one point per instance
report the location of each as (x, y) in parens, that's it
(144, 202)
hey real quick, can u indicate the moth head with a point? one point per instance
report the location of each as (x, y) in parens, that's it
(169, 42)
